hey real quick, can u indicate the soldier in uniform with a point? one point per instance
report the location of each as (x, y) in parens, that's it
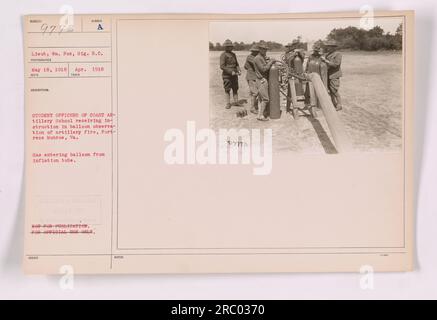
(230, 72)
(262, 68)
(251, 78)
(288, 52)
(317, 65)
(295, 64)
(294, 58)
(333, 61)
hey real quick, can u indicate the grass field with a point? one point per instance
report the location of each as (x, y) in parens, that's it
(371, 88)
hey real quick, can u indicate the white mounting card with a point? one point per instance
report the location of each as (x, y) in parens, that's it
(215, 143)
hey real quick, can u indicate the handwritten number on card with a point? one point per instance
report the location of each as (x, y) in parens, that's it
(50, 29)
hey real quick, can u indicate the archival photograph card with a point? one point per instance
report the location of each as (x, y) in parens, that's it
(218, 143)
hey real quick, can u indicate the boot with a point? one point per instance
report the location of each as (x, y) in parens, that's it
(261, 111)
(267, 110)
(236, 102)
(254, 104)
(228, 100)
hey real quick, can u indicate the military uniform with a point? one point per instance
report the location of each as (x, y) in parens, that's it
(295, 65)
(334, 74)
(230, 71)
(251, 78)
(251, 74)
(288, 55)
(316, 64)
(294, 60)
(262, 68)
(229, 64)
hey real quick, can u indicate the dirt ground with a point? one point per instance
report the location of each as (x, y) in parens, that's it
(371, 88)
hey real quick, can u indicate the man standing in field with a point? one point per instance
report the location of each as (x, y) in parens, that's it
(288, 52)
(262, 68)
(333, 61)
(230, 72)
(251, 78)
(295, 61)
(316, 64)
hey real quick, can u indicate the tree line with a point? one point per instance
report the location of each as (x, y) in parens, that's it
(241, 46)
(349, 38)
(353, 38)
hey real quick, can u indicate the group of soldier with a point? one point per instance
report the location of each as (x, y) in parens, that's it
(257, 65)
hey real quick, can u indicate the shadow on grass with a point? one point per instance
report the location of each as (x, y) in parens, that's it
(322, 135)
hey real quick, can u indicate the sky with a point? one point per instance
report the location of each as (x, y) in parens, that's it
(284, 31)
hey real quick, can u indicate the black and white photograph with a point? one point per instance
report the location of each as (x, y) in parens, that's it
(215, 156)
(321, 85)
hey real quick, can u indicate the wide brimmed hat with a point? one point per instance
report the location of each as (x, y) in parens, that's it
(317, 47)
(228, 43)
(254, 48)
(331, 43)
(263, 45)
